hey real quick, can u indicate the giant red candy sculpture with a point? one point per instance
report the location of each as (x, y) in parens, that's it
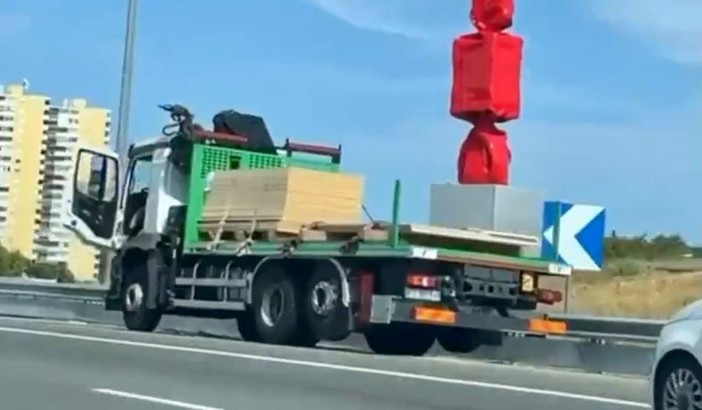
(486, 91)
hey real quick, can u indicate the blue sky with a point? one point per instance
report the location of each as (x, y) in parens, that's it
(612, 90)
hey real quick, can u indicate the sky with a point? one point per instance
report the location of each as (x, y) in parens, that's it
(611, 93)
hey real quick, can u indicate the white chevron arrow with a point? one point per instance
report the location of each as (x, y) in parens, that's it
(569, 248)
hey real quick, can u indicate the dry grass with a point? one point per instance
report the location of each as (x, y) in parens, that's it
(636, 289)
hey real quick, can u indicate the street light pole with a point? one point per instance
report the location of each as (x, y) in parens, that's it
(125, 97)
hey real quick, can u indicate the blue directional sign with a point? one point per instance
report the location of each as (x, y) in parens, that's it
(574, 234)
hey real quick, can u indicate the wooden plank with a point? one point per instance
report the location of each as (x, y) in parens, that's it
(287, 195)
(361, 231)
(470, 234)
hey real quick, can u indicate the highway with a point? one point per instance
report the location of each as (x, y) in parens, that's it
(65, 366)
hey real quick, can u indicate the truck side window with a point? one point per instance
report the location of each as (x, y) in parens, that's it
(95, 199)
(95, 177)
(136, 195)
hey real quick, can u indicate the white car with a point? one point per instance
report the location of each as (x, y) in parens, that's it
(677, 374)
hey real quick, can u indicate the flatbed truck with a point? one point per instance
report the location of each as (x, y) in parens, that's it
(403, 286)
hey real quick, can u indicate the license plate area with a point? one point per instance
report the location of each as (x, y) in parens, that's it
(491, 283)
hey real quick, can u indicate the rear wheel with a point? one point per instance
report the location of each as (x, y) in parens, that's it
(135, 314)
(458, 340)
(397, 339)
(246, 324)
(324, 312)
(274, 308)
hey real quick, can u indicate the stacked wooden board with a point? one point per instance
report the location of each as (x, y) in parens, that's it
(280, 199)
(308, 205)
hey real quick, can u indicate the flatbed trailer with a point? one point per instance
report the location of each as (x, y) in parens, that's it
(403, 286)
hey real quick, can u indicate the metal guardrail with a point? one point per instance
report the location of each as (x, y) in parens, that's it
(579, 326)
(88, 293)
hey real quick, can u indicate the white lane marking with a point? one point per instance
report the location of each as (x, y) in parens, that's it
(36, 320)
(152, 399)
(329, 366)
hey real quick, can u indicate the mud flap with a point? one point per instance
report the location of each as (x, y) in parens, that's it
(155, 268)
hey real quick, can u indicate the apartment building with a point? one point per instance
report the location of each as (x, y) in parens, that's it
(22, 135)
(43, 138)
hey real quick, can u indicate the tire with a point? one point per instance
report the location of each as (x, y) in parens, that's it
(460, 340)
(304, 337)
(246, 324)
(457, 340)
(275, 308)
(135, 314)
(682, 394)
(325, 314)
(400, 340)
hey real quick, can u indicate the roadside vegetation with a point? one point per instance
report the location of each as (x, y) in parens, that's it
(14, 264)
(643, 277)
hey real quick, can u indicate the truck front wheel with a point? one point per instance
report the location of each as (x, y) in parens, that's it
(400, 339)
(135, 314)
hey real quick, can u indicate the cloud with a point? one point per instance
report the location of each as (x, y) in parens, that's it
(671, 28)
(411, 19)
(12, 25)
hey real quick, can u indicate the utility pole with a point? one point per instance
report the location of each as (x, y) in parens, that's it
(125, 97)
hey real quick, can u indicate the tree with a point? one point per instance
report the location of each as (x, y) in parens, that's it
(58, 271)
(16, 262)
(639, 247)
(12, 263)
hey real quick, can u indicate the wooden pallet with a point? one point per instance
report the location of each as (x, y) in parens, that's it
(421, 235)
(282, 231)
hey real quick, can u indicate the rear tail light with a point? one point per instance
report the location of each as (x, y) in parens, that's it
(423, 281)
(548, 296)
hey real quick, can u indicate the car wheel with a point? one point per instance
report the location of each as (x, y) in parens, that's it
(679, 386)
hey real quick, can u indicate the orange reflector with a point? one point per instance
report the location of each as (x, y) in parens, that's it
(547, 326)
(426, 314)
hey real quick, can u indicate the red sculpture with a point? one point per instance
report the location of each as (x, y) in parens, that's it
(486, 91)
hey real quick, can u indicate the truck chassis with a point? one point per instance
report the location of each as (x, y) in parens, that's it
(400, 297)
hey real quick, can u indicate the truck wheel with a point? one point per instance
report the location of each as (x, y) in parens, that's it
(246, 324)
(406, 340)
(274, 305)
(135, 314)
(457, 340)
(325, 314)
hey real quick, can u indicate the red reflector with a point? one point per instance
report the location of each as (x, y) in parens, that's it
(426, 314)
(422, 281)
(548, 327)
(548, 296)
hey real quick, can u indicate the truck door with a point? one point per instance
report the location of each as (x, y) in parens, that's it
(91, 203)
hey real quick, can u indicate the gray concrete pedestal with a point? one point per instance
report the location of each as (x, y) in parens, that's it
(490, 207)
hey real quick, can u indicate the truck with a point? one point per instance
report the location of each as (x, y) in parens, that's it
(403, 286)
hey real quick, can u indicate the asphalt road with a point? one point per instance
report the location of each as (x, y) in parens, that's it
(65, 366)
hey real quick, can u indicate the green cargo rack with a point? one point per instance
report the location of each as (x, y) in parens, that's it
(209, 158)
